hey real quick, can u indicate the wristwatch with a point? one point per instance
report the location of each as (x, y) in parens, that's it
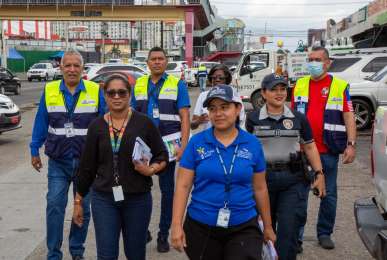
(351, 143)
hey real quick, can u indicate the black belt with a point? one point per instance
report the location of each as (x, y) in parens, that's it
(283, 166)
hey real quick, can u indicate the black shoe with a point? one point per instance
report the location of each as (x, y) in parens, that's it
(162, 245)
(148, 237)
(299, 247)
(326, 242)
(78, 257)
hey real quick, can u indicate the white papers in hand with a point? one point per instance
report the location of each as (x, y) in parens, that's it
(141, 151)
(268, 249)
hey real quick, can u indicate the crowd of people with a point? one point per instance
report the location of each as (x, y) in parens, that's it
(237, 170)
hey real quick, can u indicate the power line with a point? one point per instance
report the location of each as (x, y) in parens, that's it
(295, 4)
(277, 17)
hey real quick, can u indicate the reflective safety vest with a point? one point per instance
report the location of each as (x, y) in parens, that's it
(202, 71)
(85, 111)
(334, 134)
(168, 112)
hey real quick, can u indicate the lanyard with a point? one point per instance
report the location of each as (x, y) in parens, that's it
(227, 187)
(69, 111)
(117, 143)
(156, 90)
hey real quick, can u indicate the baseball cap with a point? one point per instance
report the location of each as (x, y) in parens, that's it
(224, 92)
(272, 80)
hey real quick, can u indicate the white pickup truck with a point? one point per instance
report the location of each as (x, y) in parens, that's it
(41, 71)
(371, 213)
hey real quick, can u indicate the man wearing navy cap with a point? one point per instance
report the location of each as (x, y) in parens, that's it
(282, 132)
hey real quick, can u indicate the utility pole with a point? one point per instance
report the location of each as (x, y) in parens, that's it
(161, 34)
(104, 33)
(3, 46)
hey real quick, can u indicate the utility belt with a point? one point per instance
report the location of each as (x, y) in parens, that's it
(292, 166)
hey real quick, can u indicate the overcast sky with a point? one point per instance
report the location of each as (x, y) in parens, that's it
(287, 19)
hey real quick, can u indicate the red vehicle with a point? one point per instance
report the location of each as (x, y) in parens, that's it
(130, 75)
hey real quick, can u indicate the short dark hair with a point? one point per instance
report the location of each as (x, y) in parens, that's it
(320, 48)
(225, 70)
(117, 77)
(157, 49)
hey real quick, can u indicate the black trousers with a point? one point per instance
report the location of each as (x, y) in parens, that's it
(242, 242)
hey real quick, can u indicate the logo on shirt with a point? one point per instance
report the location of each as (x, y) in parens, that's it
(288, 124)
(203, 153)
(168, 90)
(245, 154)
(325, 91)
(337, 99)
(87, 102)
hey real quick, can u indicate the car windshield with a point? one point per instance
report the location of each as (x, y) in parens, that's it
(39, 66)
(378, 75)
(341, 64)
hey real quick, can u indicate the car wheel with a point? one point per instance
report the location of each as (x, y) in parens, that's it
(257, 100)
(363, 113)
(29, 79)
(2, 90)
(18, 90)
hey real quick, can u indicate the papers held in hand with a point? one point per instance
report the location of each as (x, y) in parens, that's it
(141, 151)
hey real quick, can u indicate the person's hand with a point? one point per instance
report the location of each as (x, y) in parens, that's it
(36, 163)
(203, 118)
(319, 184)
(143, 168)
(78, 215)
(178, 238)
(349, 154)
(268, 234)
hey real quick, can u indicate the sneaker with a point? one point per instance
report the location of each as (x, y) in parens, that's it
(299, 247)
(326, 242)
(148, 237)
(162, 245)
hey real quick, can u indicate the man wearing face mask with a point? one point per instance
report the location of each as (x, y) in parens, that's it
(325, 101)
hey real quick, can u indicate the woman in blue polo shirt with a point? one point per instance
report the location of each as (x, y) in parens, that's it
(226, 167)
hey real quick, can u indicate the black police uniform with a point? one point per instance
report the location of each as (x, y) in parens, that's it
(281, 138)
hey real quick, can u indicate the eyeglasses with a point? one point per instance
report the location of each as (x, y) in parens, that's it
(218, 78)
(122, 93)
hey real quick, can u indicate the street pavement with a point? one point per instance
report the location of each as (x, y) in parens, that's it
(22, 207)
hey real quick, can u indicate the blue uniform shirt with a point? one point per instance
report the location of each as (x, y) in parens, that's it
(153, 96)
(40, 129)
(208, 195)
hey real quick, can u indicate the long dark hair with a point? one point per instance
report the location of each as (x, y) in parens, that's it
(223, 68)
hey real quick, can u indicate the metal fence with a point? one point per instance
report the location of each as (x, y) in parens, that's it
(99, 2)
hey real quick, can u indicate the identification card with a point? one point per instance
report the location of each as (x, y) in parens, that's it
(223, 218)
(301, 108)
(69, 129)
(118, 193)
(156, 113)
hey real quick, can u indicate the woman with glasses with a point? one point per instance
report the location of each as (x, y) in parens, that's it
(120, 198)
(225, 168)
(219, 74)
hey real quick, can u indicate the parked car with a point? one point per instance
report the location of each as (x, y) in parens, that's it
(130, 75)
(190, 74)
(114, 61)
(9, 82)
(356, 67)
(10, 117)
(371, 213)
(87, 66)
(177, 68)
(366, 95)
(41, 71)
(58, 73)
(101, 68)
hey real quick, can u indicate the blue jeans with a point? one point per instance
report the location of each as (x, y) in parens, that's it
(131, 217)
(287, 200)
(61, 174)
(327, 211)
(202, 83)
(167, 188)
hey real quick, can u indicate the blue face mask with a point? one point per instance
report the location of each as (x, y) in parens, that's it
(315, 68)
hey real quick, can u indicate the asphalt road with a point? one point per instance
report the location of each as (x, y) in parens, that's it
(30, 93)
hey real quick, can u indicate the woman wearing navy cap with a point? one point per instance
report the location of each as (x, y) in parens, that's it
(226, 167)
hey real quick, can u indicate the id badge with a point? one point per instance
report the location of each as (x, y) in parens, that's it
(118, 193)
(301, 108)
(69, 129)
(156, 113)
(223, 217)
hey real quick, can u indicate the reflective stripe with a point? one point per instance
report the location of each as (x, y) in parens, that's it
(86, 109)
(168, 96)
(331, 127)
(301, 99)
(166, 117)
(338, 107)
(57, 109)
(62, 131)
(276, 132)
(141, 97)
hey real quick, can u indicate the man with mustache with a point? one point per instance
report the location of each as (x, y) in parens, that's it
(66, 109)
